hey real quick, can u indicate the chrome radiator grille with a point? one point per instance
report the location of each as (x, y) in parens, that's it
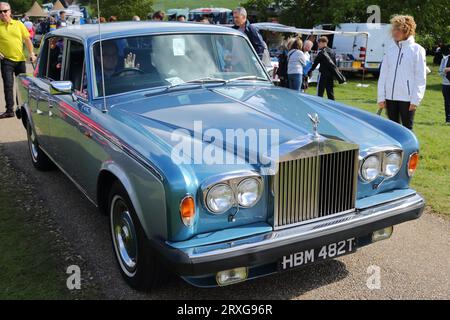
(316, 187)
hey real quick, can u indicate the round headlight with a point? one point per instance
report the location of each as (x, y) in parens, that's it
(248, 192)
(370, 168)
(220, 198)
(392, 164)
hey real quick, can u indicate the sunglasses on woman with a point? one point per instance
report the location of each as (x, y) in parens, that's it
(4, 11)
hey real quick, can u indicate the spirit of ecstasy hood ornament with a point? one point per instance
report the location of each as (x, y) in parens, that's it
(315, 122)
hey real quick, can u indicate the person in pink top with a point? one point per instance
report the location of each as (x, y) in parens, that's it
(30, 28)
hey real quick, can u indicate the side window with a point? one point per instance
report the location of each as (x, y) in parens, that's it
(51, 59)
(75, 67)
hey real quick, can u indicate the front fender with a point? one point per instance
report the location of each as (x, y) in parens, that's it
(146, 193)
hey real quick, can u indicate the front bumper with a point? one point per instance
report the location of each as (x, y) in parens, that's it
(269, 247)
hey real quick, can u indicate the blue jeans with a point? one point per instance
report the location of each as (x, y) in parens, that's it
(295, 81)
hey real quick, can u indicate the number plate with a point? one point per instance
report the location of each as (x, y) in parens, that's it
(373, 65)
(329, 251)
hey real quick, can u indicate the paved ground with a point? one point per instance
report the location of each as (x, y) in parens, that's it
(413, 264)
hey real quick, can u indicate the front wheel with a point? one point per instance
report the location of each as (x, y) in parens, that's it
(39, 159)
(138, 262)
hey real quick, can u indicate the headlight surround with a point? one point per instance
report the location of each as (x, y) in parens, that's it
(235, 190)
(220, 198)
(371, 168)
(248, 192)
(392, 164)
(383, 162)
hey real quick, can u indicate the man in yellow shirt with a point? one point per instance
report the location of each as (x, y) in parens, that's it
(13, 34)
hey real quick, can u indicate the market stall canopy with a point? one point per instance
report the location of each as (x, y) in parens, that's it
(276, 27)
(58, 6)
(36, 11)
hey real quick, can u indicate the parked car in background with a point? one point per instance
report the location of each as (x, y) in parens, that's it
(340, 180)
(173, 14)
(215, 15)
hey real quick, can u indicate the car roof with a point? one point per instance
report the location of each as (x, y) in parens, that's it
(90, 32)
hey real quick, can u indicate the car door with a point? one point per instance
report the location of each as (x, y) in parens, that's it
(64, 122)
(36, 99)
(76, 144)
(49, 69)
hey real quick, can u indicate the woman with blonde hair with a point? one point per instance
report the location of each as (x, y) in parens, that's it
(296, 62)
(402, 82)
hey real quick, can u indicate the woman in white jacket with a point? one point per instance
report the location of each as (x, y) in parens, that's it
(402, 82)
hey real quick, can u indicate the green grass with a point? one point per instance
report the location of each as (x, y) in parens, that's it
(29, 263)
(193, 4)
(433, 176)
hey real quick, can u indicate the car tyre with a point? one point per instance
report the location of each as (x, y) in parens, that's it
(138, 262)
(39, 159)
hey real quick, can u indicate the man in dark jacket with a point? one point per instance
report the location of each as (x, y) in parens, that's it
(241, 23)
(327, 69)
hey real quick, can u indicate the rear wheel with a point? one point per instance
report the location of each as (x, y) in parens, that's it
(40, 160)
(137, 260)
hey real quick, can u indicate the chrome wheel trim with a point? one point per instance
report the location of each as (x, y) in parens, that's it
(124, 236)
(32, 144)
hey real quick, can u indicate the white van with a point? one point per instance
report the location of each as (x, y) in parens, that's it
(353, 52)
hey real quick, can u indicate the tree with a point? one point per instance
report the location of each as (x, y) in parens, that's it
(124, 9)
(21, 6)
(263, 9)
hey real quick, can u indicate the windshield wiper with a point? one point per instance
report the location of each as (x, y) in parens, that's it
(198, 81)
(205, 80)
(247, 78)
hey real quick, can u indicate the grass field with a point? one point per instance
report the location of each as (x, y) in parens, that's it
(433, 177)
(193, 4)
(31, 256)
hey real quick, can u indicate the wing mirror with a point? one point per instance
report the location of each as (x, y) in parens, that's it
(61, 87)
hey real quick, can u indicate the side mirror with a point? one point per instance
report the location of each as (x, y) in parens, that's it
(61, 87)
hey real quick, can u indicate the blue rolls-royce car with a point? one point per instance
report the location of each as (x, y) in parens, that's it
(206, 169)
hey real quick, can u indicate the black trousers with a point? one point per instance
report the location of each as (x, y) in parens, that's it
(399, 110)
(9, 69)
(326, 82)
(446, 93)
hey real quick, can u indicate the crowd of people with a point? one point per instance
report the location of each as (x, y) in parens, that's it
(401, 85)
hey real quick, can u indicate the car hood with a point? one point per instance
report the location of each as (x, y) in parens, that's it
(246, 107)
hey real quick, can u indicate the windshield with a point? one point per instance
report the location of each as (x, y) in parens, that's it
(146, 62)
